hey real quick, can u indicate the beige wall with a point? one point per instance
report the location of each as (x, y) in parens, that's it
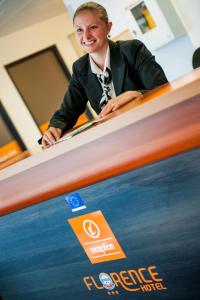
(23, 43)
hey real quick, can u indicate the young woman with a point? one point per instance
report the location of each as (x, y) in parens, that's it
(109, 75)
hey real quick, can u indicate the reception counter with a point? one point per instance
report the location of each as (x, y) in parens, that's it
(112, 212)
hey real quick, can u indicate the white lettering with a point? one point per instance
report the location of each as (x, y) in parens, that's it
(102, 248)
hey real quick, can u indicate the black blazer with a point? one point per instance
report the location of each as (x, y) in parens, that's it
(133, 67)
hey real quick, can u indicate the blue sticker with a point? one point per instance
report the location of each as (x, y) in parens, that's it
(75, 202)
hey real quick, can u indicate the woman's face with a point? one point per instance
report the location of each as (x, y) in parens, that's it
(91, 31)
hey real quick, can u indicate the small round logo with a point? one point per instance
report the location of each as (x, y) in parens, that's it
(91, 229)
(106, 281)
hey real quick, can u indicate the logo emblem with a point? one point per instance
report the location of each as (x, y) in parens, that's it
(91, 229)
(96, 237)
(75, 202)
(107, 282)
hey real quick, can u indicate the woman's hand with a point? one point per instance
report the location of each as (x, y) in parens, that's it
(117, 102)
(51, 136)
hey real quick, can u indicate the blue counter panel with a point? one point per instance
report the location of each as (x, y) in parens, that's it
(154, 213)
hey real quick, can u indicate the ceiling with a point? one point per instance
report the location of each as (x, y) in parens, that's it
(18, 14)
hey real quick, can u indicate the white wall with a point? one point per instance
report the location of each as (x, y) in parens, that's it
(176, 57)
(19, 45)
(188, 11)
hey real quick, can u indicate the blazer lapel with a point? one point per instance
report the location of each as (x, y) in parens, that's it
(117, 67)
(92, 83)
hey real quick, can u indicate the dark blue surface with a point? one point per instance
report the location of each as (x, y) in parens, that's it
(154, 213)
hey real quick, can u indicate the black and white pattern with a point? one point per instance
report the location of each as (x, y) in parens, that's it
(105, 80)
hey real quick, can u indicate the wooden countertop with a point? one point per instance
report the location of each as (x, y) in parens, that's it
(164, 123)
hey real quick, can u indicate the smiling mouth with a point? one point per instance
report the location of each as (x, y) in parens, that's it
(89, 43)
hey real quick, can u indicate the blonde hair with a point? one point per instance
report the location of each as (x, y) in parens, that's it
(95, 7)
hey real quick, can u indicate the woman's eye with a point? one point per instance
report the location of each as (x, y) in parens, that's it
(93, 26)
(78, 30)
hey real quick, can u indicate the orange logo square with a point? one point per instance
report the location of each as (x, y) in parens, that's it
(96, 237)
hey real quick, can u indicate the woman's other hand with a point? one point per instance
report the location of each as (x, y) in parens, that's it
(119, 101)
(51, 136)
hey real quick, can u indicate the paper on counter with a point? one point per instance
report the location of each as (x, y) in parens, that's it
(77, 130)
